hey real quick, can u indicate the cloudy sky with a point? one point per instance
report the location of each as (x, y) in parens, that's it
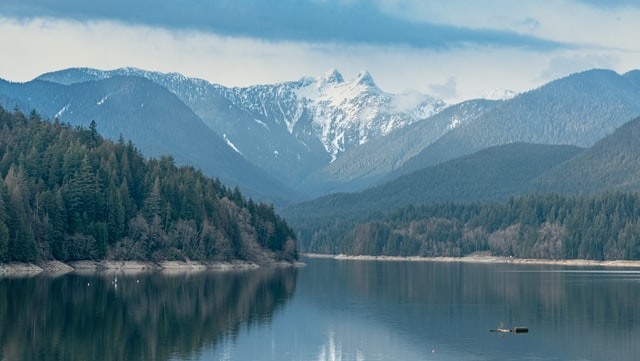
(454, 49)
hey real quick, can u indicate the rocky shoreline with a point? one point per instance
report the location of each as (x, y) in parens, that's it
(58, 268)
(484, 258)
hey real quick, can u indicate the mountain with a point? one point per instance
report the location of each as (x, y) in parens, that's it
(289, 129)
(365, 165)
(492, 174)
(149, 115)
(576, 110)
(611, 164)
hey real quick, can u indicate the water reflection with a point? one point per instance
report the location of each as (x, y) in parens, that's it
(341, 310)
(134, 317)
(572, 313)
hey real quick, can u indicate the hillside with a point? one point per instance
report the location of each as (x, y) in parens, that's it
(68, 194)
(364, 166)
(149, 115)
(542, 226)
(493, 174)
(613, 163)
(576, 110)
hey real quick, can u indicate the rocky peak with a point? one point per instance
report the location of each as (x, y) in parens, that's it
(332, 76)
(365, 78)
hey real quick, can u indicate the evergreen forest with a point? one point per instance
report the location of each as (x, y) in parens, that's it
(543, 226)
(69, 194)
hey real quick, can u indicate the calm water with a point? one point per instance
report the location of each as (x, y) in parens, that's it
(328, 310)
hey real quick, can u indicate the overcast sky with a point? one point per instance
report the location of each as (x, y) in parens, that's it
(454, 49)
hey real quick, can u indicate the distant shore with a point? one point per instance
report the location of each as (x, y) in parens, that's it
(57, 267)
(484, 258)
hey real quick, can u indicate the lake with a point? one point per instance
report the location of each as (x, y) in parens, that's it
(329, 310)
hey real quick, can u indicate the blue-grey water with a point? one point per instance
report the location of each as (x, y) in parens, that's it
(328, 310)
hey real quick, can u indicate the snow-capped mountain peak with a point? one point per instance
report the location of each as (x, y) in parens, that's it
(364, 78)
(332, 76)
(350, 113)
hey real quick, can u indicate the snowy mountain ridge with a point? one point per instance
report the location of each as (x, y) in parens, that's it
(350, 113)
(290, 129)
(339, 114)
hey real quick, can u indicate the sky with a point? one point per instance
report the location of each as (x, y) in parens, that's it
(453, 50)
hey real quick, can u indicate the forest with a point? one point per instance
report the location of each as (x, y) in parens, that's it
(66, 194)
(544, 226)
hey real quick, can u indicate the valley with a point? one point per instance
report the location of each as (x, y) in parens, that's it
(335, 155)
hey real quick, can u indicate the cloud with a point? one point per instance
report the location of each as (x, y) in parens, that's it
(425, 24)
(609, 4)
(447, 90)
(42, 45)
(359, 22)
(403, 45)
(570, 22)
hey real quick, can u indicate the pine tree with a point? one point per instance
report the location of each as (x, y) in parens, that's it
(21, 243)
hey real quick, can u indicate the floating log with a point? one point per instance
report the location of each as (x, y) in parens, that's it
(520, 330)
(511, 330)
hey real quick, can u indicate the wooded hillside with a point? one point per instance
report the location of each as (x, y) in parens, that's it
(68, 194)
(546, 226)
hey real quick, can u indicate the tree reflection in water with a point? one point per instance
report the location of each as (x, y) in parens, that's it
(148, 316)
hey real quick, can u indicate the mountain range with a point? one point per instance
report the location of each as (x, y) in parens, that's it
(576, 110)
(289, 129)
(296, 140)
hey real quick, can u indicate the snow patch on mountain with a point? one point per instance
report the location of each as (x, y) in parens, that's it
(104, 99)
(499, 94)
(455, 122)
(62, 111)
(262, 123)
(230, 144)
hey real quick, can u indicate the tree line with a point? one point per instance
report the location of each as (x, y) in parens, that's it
(546, 226)
(68, 194)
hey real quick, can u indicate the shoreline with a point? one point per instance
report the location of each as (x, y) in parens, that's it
(109, 266)
(59, 268)
(484, 259)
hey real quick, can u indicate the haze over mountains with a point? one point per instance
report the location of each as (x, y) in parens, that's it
(297, 140)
